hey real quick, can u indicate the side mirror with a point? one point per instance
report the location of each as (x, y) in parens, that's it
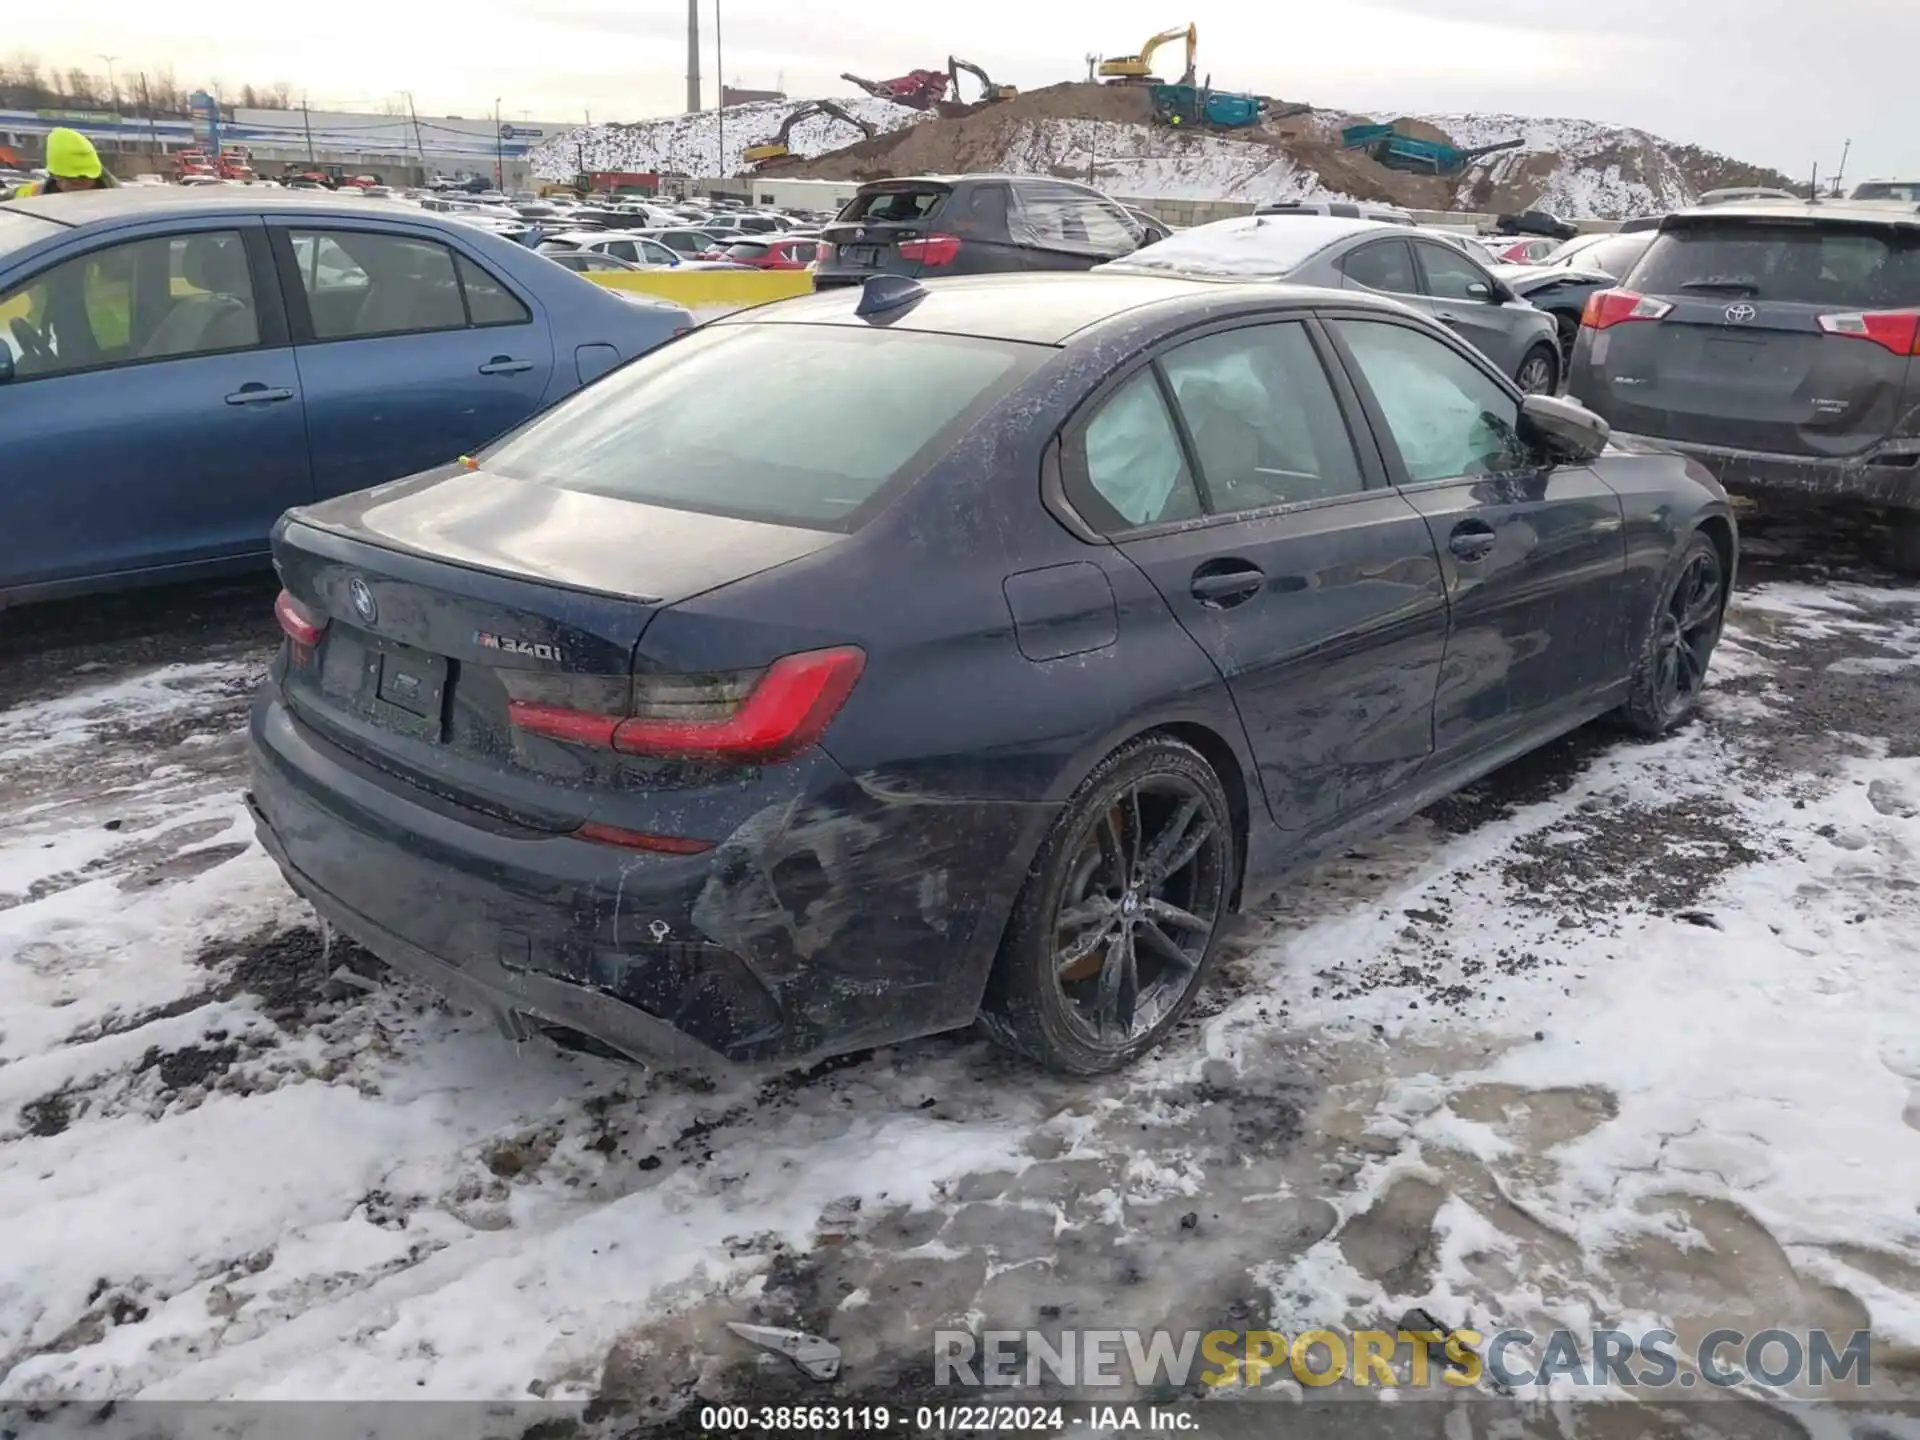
(1567, 432)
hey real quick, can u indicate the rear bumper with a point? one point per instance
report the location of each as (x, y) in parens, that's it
(1881, 477)
(822, 925)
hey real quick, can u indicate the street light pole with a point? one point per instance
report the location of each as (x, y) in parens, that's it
(499, 150)
(720, 83)
(113, 90)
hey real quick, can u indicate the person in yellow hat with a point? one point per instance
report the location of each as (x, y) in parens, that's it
(72, 164)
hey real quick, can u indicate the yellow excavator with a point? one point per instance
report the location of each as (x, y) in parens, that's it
(1138, 69)
(988, 90)
(776, 148)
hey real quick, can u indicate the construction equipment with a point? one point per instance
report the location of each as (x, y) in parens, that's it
(988, 90)
(917, 89)
(1138, 69)
(1397, 151)
(1203, 105)
(776, 148)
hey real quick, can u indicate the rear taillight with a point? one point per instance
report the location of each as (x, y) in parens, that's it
(741, 717)
(931, 249)
(1896, 330)
(301, 626)
(642, 840)
(1607, 308)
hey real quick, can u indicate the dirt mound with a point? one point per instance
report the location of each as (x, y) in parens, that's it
(1420, 130)
(976, 137)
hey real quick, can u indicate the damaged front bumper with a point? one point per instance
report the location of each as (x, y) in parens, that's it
(840, 919)
(1888, 476)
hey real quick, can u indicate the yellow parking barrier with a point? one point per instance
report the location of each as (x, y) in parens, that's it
(709, 289)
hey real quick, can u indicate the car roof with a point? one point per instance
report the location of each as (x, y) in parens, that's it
(1044, 308)
(975, 177)
(1234, 246)
(1857, 212)
(133, 201)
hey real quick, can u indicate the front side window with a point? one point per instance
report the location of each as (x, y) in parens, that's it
(162, 298)
(1266, 427)
(1451, 276)
(1443, 414)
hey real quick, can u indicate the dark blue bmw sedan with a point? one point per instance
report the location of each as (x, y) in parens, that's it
(864, 665)
(179, 365)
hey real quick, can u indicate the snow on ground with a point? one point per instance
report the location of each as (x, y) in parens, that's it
(1629, 1033)
(692, 144)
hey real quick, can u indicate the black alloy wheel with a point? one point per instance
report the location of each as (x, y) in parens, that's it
(1672, 668)
(1120, 914)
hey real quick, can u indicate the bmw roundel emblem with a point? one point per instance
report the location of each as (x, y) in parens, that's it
(361, 594)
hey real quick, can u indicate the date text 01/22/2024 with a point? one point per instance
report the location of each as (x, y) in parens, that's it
(937, 1419)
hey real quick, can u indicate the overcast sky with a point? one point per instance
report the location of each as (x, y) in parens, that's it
(1778, 82)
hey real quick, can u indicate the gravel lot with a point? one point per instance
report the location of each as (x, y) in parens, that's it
(1628, 1032)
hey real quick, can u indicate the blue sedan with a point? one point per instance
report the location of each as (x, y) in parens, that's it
(177, 367)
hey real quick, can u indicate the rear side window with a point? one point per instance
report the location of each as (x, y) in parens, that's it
(980, 212)
(918, 202)
(1385, 266)
(1844, 266)
(790, 424)
(360, 284)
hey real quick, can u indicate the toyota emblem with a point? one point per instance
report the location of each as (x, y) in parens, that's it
(361, 594)
(1740, 314)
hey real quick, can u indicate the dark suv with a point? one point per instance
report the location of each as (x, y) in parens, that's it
(934, 225)
(1773, 342)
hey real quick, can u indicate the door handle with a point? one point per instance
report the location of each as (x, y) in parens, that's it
(257, 394)
(1220, 589)
(505, 365)
(1472, 539)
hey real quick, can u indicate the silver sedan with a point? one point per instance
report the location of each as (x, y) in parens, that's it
(1423, 271)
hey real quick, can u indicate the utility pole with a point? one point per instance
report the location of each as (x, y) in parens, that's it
(419, 145)
(499, 149)
(306, 123)
(153, 131)
(693, 57)
(720, 81)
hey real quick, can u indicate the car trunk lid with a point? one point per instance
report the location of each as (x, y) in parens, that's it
(1755, 341)
(437, 604)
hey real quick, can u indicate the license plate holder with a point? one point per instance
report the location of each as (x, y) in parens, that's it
(860, 254)
(409, 689)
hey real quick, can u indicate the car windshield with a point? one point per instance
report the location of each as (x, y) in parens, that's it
(1797, 262)
(790, 424)
(1250, 246)
(19, 230)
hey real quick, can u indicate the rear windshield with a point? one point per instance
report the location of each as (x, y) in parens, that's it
(19, 230)
(1801, 263)
(748, 249)
(1248, 246)
(916, 202)
(790, 424)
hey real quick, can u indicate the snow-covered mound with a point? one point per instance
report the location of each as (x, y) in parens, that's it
(1106, 135)
(691, 144)
(1583, 168)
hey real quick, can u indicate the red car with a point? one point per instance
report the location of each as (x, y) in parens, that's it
(774, 252)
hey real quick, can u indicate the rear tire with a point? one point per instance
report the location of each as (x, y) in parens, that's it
(1117, 924)
(1670, 669)
(1539, 372)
